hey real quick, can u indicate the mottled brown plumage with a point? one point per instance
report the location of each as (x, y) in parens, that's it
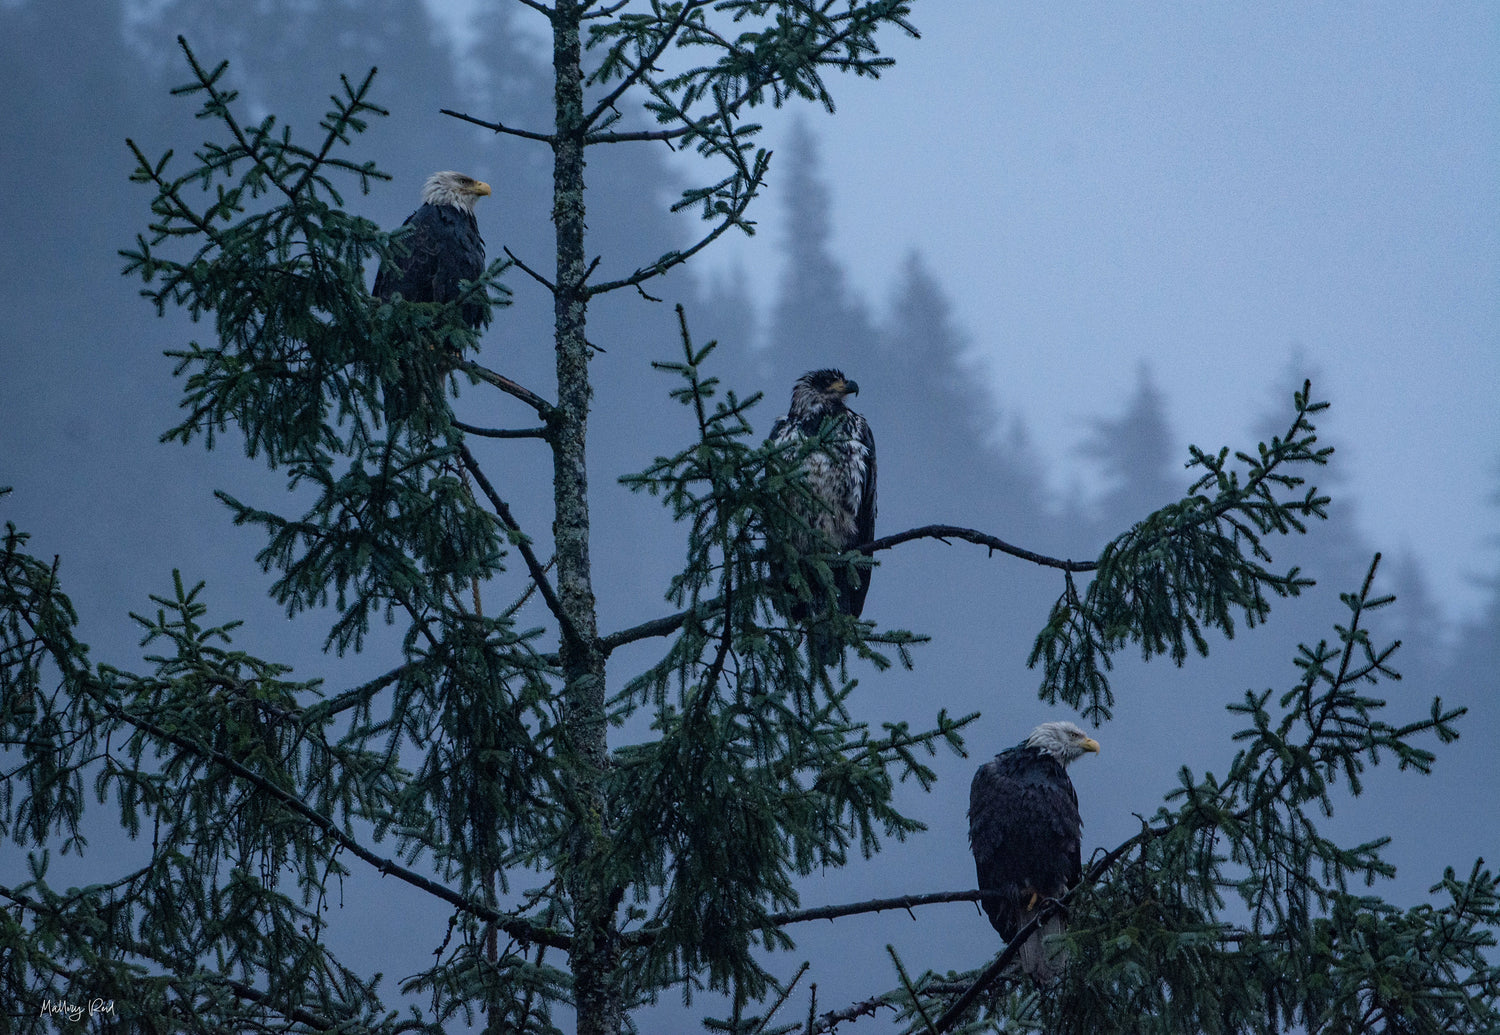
(840, 473)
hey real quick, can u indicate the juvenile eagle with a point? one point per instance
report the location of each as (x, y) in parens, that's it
(841, 476)
(444, 248)
(1024, 829)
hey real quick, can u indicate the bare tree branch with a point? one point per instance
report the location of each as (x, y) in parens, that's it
(641, 135)
(668, 624)
(533, 274)
(994, 543)
(878, 905)
(603, 12)
(498, 127)
(664, 626)
(676, 258)
(523, 544)
(470, 429)
(512, 925)
(543, 408)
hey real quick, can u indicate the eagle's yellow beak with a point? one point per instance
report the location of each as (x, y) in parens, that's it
(482, 189)
(1090, 744)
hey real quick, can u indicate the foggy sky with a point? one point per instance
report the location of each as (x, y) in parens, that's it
(1237, 195)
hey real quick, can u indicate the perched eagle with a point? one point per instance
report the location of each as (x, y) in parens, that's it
(444, 248)
(1024, 829)
(841, 475)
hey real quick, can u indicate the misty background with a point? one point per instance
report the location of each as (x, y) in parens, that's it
(1053, 247)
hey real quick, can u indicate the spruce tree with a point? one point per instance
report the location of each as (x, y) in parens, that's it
(815, 310)
(1134, 454)
(595, 839)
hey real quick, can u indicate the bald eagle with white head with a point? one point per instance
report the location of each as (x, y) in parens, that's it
(840, 475)
(1025, 830)
(443, 249)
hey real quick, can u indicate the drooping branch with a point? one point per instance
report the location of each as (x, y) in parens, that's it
(512, 925)
(241, 989)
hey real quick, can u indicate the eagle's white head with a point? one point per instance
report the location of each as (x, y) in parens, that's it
(1062, 740)
(453, 188)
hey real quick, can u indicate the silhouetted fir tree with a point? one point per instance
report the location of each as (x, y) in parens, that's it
(273, 44)
(65, 200)
(1134, 455)
(1417, 621)
(728, 314)
(962, 461)
(1473, 663)
(1476, 654)
(817, 319)
(602, 815)
(83, 370)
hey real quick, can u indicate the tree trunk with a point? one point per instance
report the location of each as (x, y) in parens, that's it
(595, 951)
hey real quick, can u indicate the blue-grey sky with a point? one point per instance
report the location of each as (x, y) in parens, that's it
(1213, 190)
(1210, 189)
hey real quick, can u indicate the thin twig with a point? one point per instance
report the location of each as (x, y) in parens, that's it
(523, 544)
(877, 905)
(533, 274)
(498, 127)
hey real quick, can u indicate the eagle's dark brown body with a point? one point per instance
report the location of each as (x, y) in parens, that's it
(1025, 831)
(443, 249)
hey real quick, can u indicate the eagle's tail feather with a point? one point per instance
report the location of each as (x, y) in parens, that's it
(1043, 956)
